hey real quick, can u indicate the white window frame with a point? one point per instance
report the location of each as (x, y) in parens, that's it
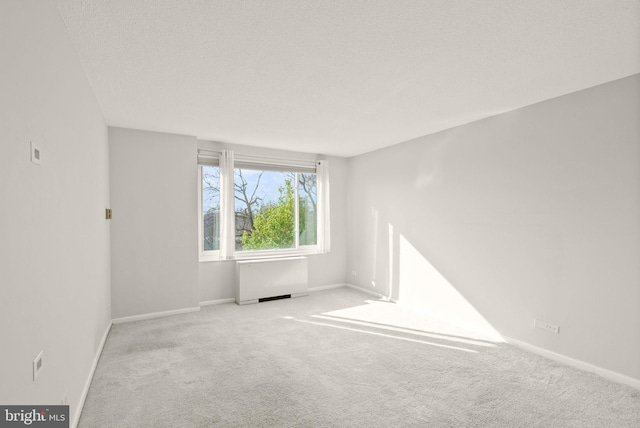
(273, 164)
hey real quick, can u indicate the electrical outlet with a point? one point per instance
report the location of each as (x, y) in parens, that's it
(37, 364)
(354, 273)
(542, 325)
(63, 401)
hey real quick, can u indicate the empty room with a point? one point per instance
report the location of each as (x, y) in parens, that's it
(320, 213)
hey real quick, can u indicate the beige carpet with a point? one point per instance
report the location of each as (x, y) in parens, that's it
(336, 358)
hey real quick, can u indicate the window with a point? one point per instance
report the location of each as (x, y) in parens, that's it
(210, 212)
(275, 207)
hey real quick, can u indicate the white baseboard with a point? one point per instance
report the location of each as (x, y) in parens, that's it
(87, 384)
(155, 315)
(326, 287)
(607, 374)
(217, 302)
(370, 292)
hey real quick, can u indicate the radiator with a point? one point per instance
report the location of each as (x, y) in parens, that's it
(270, 278)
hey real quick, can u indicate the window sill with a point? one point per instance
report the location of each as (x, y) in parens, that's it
(257, 255)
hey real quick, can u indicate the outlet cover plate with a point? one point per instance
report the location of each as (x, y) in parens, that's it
(543, 325)
(37, 364)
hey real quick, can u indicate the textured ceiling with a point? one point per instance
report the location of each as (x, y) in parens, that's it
(341, 77)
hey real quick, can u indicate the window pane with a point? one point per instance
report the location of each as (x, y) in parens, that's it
(307, 217)
(265, 209)
(210, 208)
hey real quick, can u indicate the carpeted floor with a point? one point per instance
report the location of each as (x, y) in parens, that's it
(336, 358)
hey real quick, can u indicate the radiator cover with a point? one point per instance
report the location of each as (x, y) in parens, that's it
(265, 278)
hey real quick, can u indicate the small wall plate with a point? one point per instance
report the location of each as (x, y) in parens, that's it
(35, 154)
(37, 365)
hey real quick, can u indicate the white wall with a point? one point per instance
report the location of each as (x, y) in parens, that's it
(217, 278)
(54, 239)
(154, 257)
(529, 214)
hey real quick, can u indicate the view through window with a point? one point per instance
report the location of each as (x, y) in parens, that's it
(211, 208)
(273, 209)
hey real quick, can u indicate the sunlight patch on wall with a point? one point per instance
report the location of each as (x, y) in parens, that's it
(375, 215)
(421, 287)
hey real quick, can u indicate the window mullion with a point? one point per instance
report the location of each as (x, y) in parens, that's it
(200, 213)
(296, 233)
